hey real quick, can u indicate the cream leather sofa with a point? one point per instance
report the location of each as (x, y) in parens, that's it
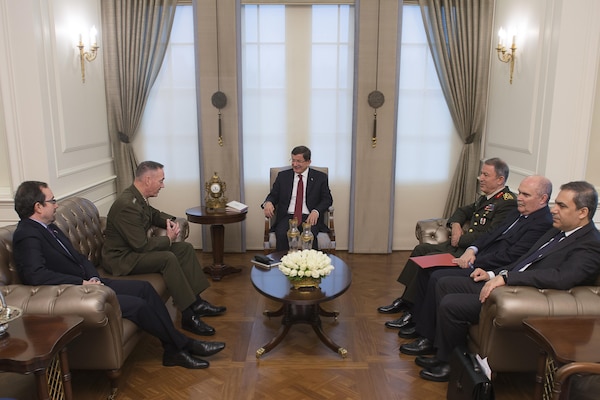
(500, 335)
(107, 339)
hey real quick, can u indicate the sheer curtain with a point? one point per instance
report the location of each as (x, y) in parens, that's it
(427, 143)
(297, 72)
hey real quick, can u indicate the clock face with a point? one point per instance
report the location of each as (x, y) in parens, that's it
(215, 188)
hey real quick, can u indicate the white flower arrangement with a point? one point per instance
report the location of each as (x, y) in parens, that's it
(305, 264)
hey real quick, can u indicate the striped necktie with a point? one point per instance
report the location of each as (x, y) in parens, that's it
(544, 249)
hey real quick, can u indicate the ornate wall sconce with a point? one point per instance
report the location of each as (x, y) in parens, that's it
(89, 55)
(503, 54)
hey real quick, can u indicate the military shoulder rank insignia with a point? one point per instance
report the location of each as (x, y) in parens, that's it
(508, 196)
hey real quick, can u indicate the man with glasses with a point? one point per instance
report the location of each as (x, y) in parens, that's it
(298, 192)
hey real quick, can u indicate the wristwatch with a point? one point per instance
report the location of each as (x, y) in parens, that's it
(504, 275)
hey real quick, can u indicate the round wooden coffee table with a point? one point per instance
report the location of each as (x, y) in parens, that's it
(301, 306)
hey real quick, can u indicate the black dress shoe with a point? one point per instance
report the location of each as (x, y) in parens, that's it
(427, 362)
(408, 332)
(401, 322)
(439, 373)
(205, 349)
(195, 325)
(183, 359)
(419, 347)
(203, 308)
(397, 306)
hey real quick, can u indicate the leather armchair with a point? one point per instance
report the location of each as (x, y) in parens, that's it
(107, 339)
(500, 335)
(326, 241)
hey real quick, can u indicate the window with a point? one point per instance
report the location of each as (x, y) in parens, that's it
(424, 122)
(297, 72)
(168, 132)
(427, 143)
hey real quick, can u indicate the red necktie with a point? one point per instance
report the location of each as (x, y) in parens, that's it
(299, 200)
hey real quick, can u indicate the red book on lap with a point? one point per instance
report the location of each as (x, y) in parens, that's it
(435, 260)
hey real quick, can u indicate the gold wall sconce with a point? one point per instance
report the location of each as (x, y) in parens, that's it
(503, 54)
(89, 55)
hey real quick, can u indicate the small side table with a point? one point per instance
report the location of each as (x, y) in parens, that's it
(199, 215)
(563, 341)
(37, 344)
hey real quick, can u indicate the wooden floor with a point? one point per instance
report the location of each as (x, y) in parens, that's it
(301, 367)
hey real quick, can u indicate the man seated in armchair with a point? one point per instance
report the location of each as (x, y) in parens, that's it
(484, 215)
(45, 256)
(302, 193)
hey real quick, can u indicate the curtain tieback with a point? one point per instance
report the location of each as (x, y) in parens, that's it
(123, 137)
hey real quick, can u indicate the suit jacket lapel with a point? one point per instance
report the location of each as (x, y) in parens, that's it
(567, 240)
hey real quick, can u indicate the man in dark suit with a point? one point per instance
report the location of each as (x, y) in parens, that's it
(483, 216)
(45, 256)
(128, 250)
(567, 255)
(502, 246)
(314, 201)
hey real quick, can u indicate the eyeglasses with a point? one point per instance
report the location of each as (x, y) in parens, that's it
(51, 201)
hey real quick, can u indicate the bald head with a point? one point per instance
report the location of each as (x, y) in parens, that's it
(534, 193)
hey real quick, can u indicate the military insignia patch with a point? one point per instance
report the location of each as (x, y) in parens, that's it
(508, 196)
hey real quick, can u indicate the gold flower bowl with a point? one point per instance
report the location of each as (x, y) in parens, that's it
(306, 283)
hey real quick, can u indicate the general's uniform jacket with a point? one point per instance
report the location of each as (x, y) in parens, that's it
(484, 215)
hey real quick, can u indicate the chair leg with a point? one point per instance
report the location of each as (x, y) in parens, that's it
(113, 377)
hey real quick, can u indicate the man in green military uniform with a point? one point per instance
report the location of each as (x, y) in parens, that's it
(128, 250)
(482, 216)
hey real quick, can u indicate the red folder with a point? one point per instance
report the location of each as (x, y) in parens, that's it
(435, 260)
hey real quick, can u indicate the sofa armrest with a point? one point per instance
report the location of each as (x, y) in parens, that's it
(96, 304)
(433, 231)
(101, 344)
(184, 231)
(508, 306)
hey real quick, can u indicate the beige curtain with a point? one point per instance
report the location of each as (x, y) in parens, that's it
(459, 34)
(135, 35)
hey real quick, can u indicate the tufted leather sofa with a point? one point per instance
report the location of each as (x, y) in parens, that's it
(500, 335)
(107, 339)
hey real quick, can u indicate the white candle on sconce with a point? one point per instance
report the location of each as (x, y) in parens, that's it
(501, 36)
(93, 33)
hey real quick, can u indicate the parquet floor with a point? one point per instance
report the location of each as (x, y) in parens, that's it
(301, 367)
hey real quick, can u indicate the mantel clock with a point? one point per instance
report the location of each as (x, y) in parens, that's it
(215, 194)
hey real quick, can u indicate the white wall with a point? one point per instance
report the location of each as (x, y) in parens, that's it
(54, 127)
(542, 123)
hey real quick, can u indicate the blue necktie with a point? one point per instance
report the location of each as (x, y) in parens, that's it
(546, 248)
(54, 232)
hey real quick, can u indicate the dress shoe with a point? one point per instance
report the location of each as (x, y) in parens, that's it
(203, 308)
(419, 347)
(408, 332)
(205, 349)
(397, 306)
(195, 325)
(439, 373)
(427, 362)
(183, 359)
(401, 322)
